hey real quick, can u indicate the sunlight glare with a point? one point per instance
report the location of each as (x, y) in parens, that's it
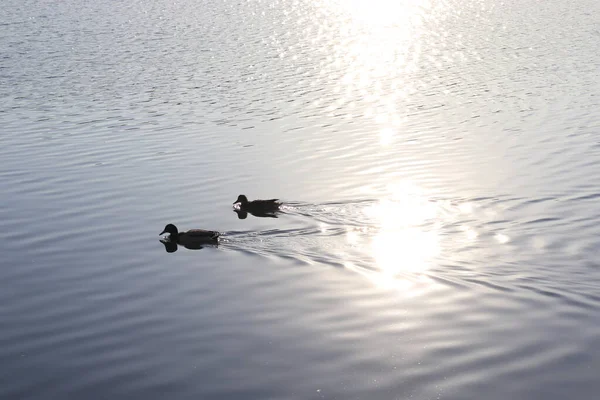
(386, 135)
(377, 47)
(408, 237)
(382, 12)
(502, 238)
(470, 233)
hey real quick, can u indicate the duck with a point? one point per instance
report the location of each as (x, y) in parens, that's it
(257, 206)
(192, 239)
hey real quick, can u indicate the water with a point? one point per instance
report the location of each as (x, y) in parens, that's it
(439, 161)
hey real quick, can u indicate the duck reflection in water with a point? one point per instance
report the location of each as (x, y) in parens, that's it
(194, 239)
(170, 247)
(242, 214)
(258, 208)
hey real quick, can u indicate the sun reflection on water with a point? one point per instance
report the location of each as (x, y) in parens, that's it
(377, 47)
(406, 239)
(376, 52)
(382, 13)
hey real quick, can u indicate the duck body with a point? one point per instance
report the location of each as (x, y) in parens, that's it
(192, 239)
(257, 206)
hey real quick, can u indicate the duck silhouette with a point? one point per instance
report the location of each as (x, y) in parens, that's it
(258, 207)
(193, 239)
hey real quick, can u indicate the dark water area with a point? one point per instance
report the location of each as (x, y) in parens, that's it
(439, 164)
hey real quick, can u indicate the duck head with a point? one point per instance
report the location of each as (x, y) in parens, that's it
(170, 229)
(242, 199)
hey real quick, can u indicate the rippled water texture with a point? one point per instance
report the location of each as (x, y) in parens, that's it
(439, 163)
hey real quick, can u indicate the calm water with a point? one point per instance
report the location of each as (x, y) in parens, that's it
(440, 161)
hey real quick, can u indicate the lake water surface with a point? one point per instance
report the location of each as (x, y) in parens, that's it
(440, 164)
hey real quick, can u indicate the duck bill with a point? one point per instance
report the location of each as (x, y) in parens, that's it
(163, 232)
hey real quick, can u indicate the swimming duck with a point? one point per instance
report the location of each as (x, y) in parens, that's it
(192, 239)
(257, 206)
